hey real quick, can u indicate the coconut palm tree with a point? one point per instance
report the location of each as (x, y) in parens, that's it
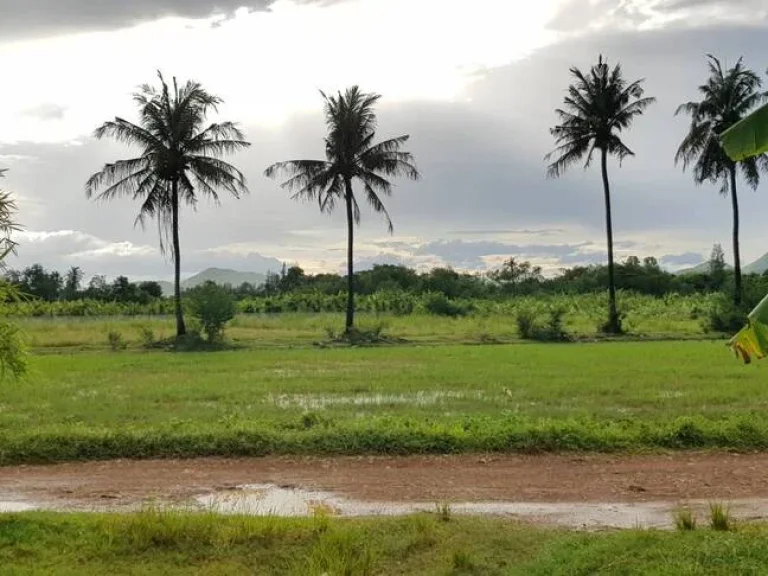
(350, 156)
(600, 105)
(180, 158)
(727, 97)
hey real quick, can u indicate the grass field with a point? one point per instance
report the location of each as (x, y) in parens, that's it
(152, 543)
(393, 399)
(299, 329)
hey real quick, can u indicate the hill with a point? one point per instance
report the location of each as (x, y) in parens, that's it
(759, 266)
(220, 276)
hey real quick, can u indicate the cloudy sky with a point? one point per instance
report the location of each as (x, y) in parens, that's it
(474, 84)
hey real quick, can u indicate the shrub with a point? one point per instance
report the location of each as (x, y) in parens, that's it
(116, 341)
(529, 327)
(685, 521)
(719, 517)
(725, 316)
(526, 323)
(440, 305)
(213, 306)
(147, 337)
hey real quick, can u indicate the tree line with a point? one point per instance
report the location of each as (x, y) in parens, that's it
(514, 278)
(182, 158)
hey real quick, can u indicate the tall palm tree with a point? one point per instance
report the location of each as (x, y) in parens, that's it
(180, 158)
(727, 97)
(600, 104)
(350, 155)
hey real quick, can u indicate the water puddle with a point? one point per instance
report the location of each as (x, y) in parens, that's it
(288, 501)
(420, 398)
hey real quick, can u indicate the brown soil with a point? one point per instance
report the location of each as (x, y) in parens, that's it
(549, 478)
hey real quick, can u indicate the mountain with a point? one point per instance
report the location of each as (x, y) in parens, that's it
(759, 266)
(220, 276)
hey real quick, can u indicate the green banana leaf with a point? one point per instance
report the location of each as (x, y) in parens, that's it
(747, 138)
(752, 340)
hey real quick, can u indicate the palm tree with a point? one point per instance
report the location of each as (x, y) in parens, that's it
(727, 97)
(351, 155)
(180, 158)
(599, 106)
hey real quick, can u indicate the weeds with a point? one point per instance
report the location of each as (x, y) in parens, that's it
(720, 517)
(443, 511)
(147, 337)
(116, 341)
(685, 521)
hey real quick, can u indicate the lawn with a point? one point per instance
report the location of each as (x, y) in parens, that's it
(396, 399)
(167, 543)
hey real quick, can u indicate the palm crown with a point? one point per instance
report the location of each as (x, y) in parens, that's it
(177, 152)
(598, 107)
(350, 155)
(727, 97)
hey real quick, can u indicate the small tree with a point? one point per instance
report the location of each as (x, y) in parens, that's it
(213, 306)
(717, 266)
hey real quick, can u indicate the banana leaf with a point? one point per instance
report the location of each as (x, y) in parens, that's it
(747, 138)
(752, 340)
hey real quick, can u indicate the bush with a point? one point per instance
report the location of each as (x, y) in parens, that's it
(116, 341)
(440, 305)
(526, 323)
(725, 316)
(529, 327)
(213, 306)
(147, 337)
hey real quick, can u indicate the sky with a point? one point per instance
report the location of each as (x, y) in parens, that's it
(474, 84)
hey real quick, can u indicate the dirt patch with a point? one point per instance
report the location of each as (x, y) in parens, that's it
(465, 478)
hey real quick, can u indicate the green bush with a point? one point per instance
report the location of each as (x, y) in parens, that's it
(213, 306)
(439, 305)
(116, 341)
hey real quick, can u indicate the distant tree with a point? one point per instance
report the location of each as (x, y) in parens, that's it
(727, 97)
(650, 263)
(37, 282)
(98, 289)
(180, 158)
(599, 106)
(72, 280)
(152, 289)
(292, 279)
(716, 266)
(351, 155)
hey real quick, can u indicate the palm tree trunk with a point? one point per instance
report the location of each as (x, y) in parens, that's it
(350, 265)
(181, 329)
(736, 250)
(614, 325)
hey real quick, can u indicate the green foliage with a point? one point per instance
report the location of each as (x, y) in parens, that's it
(685, 521)
(719, 517)
(530, 326)
(178, 543)
(147, 336)
(439, 305)
(213, 306)
(116, 341)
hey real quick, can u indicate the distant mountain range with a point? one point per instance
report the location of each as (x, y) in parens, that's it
(759, 266)
(220, 276)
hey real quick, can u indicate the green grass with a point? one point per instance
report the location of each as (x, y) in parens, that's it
(299, 329)
(403, 399)
(172, 543)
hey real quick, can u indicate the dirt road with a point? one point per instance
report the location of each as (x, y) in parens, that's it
(589, 489)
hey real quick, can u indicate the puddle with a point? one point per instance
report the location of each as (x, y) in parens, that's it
(318, 402)
(280, 501)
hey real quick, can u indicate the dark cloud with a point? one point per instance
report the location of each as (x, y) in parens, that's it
(37, 18)
(576, 15)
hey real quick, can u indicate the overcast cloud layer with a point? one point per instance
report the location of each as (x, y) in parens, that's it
(475, 88)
